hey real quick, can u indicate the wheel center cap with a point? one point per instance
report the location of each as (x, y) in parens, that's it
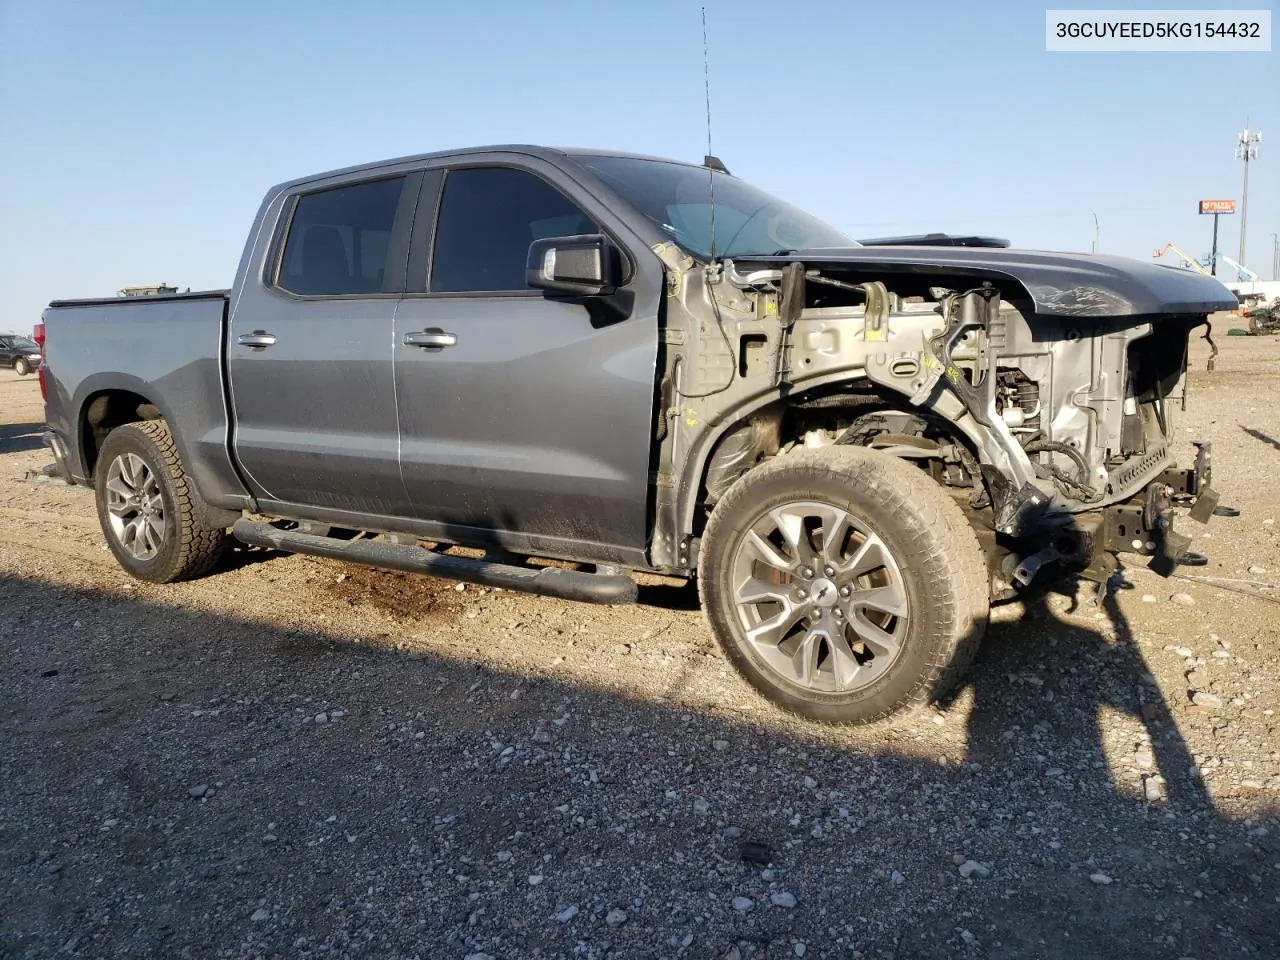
(824, 593)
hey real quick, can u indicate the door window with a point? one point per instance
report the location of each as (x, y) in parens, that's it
(338, 240)
(488, 218)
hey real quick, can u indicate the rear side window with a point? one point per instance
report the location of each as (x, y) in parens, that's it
(488, 218)
(338, 240)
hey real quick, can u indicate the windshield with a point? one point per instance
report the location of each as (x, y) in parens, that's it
(24, 343)
(676, 198)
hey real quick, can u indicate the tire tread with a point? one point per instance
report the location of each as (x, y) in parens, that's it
(940, 533)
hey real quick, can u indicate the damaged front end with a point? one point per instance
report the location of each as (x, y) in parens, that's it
(1050, 414)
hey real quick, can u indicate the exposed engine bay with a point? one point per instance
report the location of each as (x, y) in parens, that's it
(1049, 427)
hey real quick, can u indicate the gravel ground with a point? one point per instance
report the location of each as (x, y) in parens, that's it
(297, 758)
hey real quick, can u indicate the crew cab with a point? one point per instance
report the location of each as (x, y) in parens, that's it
(588, 364)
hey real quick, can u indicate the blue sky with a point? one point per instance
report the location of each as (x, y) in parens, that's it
(136, 138)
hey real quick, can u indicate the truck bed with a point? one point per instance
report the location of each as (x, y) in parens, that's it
(168, 349)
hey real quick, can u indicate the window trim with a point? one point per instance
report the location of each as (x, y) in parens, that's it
(426, 233)
(396, 275)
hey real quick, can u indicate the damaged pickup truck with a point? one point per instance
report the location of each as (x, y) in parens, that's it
(545, 370)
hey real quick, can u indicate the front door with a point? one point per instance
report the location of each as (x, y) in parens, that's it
(519, 413)
(309, 357)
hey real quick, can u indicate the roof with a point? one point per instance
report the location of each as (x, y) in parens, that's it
(550, 154)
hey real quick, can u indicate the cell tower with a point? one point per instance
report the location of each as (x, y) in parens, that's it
(1246, 150)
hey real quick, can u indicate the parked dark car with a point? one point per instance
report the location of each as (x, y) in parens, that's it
(596, 358)
(20, 353)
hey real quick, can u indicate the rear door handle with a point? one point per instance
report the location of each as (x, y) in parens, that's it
(259, 338)
(433, 338)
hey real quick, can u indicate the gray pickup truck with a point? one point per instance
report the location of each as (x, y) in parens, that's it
(547, 369)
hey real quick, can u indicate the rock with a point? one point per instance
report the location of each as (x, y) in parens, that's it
(1202, 698)
(534, 879)
(1257, 570)
(972, 868)
(782, 899)
(199, 790)
(700, 805)
(896, 878)
(1149, 598)
(798, 949)
(460, 587)
(1220, 655)
(768, 876)
(1151, 789)
(1183, 652)
(1144, 758)
(810, 783)
(616, 917)
(1186, 599)
(743, 904)
(968, 937)
(1101, 879)
(322, 718)
(260, 914)
(478, 956)
(269, 838)
(731, 833)
(567, 914)
(720, 744)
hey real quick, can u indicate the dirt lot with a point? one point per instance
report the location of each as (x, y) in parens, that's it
(295, 758)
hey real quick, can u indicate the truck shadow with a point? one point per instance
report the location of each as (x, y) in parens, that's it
(1259, 435)
(20, 437)
(452, 780)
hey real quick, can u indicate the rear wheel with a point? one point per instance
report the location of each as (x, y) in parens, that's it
(22, 366)
(146, 507)
(844, 584)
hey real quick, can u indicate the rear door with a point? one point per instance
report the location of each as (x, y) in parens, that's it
(532, 419)
(309, 357)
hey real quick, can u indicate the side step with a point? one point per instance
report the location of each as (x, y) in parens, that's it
(544, 581)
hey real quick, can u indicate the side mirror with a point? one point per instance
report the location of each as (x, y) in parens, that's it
(582, 266)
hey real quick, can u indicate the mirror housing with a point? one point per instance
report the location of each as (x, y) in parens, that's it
(587, 265)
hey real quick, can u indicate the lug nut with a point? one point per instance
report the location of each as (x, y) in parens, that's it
(807, 572)
(845, 591)
(829, 571)
(802, 593)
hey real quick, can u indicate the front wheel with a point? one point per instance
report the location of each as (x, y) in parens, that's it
(146, 507)
(22, 366)
(844, 584)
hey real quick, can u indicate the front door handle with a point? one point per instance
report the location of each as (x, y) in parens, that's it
(432, 338)
(258, 339)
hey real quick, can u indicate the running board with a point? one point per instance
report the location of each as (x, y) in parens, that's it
(544, 581)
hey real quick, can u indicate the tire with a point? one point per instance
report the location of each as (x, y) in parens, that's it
(22, 366)
(147, 509)
(797, 616)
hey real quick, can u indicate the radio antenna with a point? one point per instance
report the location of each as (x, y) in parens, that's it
(710, 158)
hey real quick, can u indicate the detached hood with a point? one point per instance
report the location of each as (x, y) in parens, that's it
(1060, 284)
